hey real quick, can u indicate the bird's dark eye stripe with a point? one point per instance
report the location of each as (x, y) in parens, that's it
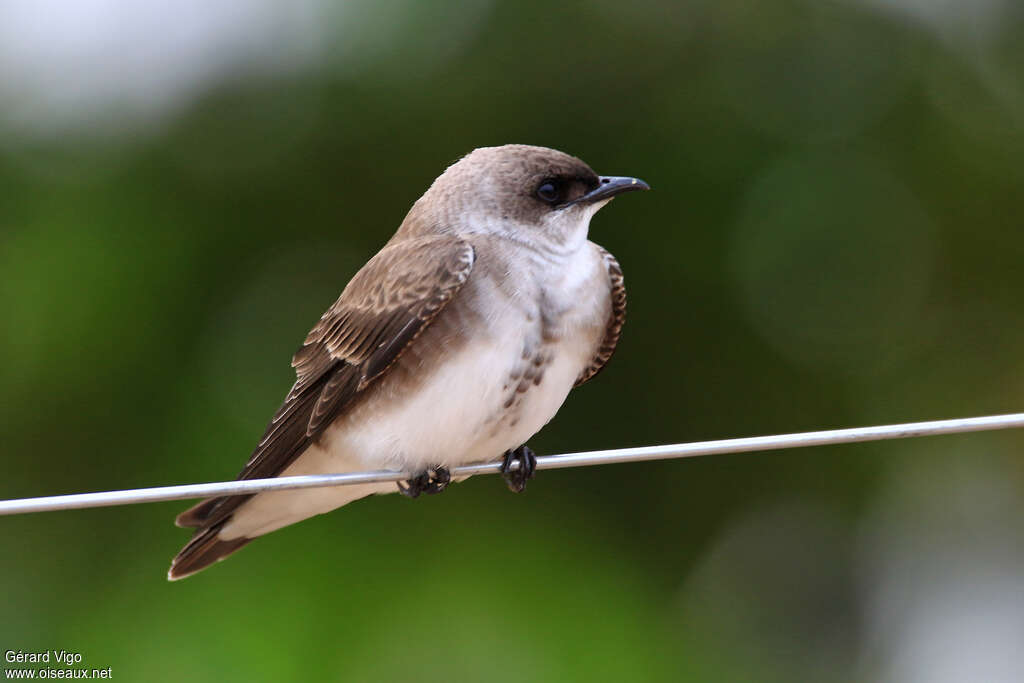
(556, 190)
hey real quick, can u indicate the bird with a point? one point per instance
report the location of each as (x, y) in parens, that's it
(456, 343)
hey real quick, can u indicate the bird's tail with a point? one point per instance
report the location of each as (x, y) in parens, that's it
(223, 525)
(205, 548)
(199, 514)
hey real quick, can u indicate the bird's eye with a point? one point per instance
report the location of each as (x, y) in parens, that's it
(549, 192)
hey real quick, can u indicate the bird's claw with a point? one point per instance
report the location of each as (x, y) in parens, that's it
(430, 481)
(517, 478)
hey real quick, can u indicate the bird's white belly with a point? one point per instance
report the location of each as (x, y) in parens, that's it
(461, 414)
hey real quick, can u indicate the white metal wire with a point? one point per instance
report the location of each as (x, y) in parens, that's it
(683, 450)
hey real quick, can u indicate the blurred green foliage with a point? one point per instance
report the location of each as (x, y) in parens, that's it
(834, 240)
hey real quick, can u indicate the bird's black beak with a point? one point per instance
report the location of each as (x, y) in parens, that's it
(610, 186)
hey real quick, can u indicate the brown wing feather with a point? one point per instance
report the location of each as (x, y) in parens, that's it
(616, 319)
(382, 310)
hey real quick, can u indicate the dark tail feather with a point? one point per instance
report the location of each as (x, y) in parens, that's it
(197, 515)
(204, 549)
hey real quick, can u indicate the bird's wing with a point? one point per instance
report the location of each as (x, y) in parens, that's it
(616, 318)
(382, 310)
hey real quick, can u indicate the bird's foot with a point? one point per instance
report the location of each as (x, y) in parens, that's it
(516, 478)
(430, 481)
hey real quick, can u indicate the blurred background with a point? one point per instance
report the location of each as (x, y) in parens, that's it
(834, 240)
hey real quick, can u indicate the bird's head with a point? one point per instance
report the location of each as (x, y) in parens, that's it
(536, 195)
